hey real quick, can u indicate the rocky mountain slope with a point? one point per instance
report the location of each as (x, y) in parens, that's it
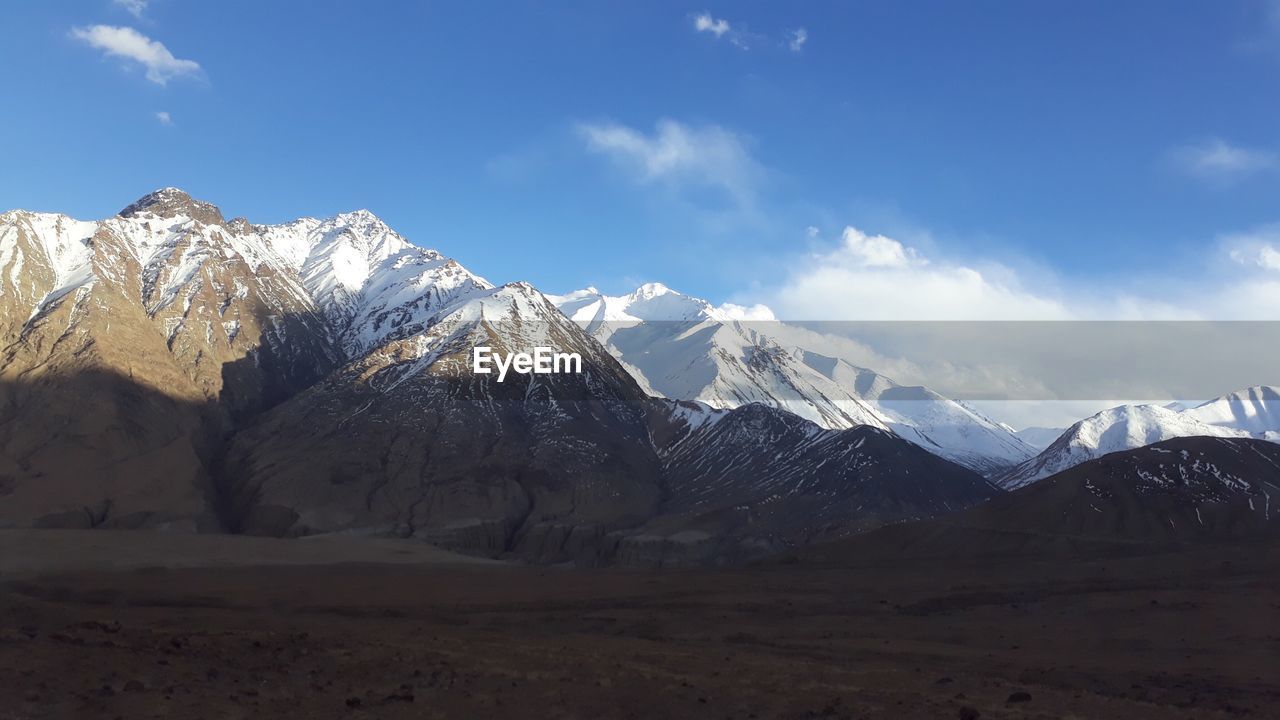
(1197, 489)
(131, 347)
(683, 348)
(1253, 412)
(756, 480)
(405, 440)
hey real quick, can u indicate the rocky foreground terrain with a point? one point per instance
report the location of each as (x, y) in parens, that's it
(1120, 633)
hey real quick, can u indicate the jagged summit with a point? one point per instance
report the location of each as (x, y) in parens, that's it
(171, 202)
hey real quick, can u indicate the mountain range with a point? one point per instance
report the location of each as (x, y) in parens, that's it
(168, 368)
(171, 369)
(682, 347)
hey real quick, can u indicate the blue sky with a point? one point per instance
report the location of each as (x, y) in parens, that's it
(1083, 154)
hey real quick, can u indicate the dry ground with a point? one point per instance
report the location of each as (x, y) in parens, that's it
(403, 631)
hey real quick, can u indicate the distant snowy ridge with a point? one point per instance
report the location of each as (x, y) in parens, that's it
(1250, 413)
(684, 348)
(1039, 437)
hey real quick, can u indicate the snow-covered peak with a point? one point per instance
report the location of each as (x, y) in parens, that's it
(514, 303)
(1253, 410)
(1248, 413)
(371, 282)
(351, 240)
(652, 290)
(655, 302)
(1130, 426)
(683, 348)
(651, 302)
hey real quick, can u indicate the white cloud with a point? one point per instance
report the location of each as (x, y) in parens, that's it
(164, 118)
(866, 251)
(130, 44)
(741, 37)
(873, 277)
(681, 156)
(753, 313)
(716, 26)
(133, 7)
(722, 29)
(1219, 161)
(799, 37)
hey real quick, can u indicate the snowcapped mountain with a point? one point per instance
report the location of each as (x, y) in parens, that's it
(314, 376)
(1254, 410)
(684, 348)
(371, 283)
(1250, 413)
(175, 324)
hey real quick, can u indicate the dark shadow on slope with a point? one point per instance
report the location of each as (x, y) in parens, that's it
(294, 354)
(581, 467)
(99, 449)
(291, 356)
(83, 444)
(538, 466)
